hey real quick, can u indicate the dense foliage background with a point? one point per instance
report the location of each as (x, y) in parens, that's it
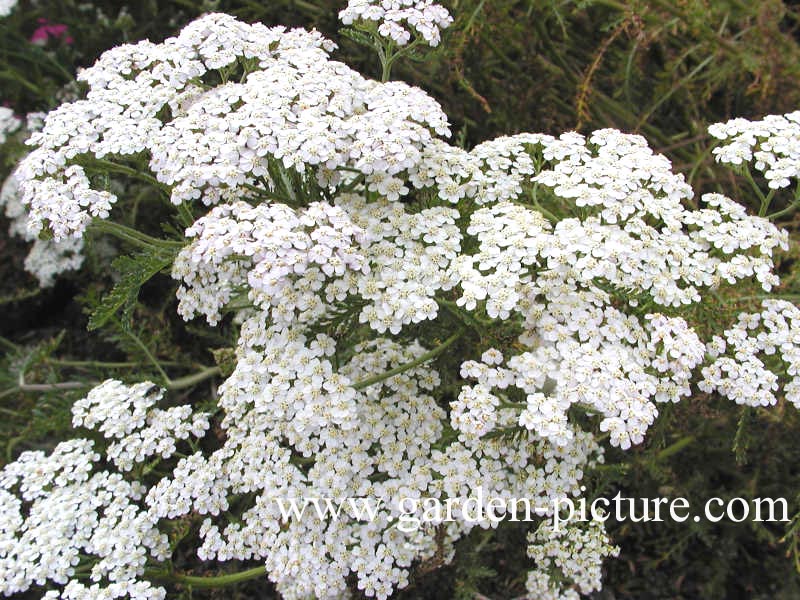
(662, 68)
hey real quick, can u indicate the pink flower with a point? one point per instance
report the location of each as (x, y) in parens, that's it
(46, 30)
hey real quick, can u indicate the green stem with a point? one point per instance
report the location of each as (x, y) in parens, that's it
(137, 238)
(181, 383)
(147, 353)
(791, 208)
(130, 172)
(55, 387)
(95, 364)
(675, 448)
(359, 385)
(535, 199)
(267, 194)
(766, 203)
(763, 199)
(23, 386)
(388, 59)
(214, 581)
(191, 380)
(288, 185)
(386, 69)
(185, 214)
(385, 56)
(462, 315)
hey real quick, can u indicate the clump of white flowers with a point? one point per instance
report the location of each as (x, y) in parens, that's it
(265, 247)
(46, 259)
(57, 507)
(296, 107)
(773, 144)
(412, 320)
(6, 6)
(9, 122)
(128, 416)
(398, 20)
(575, 552)
(741, 369)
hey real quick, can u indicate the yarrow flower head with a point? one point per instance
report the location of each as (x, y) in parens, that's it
(6, 6)
(575, 552)
(128, 416)
(398, 20)
(46, 259)
(752, 351)
(294, 106)
(772, 143)
(58, 507)
(9, 123)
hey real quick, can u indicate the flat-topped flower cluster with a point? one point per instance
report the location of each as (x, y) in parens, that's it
(413, 319)
(47, 259)
(398, 20)
(771, 144)
(9, 123)
(6, 6)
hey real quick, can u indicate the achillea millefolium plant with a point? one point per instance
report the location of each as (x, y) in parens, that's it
(392, 316)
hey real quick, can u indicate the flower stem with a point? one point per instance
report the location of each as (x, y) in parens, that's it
(130, 172)
(96, 364)
(146, 351)
(215, 581)
(190, 380)
(410, 365)
(137, 238)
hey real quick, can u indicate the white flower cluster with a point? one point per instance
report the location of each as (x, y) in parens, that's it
(589, 356)
(47, 258)
(618, 176)
(575, 552)
(293, 105)
(268, 248)
(742, 371)
(408, 256)
(295, 427)
(400, 19)
(773, 144)
(54, 509)
(289, 261)
(9, 123)
(127, 415)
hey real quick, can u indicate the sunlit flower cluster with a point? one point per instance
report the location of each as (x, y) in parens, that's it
(128, 416)
(47, 258)
(56, 508)
(742, 369)
(598, 359)
(575, 552)
(771, 144)
(9, 123)
(267, 248)
(398, 20)
(292, 105)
